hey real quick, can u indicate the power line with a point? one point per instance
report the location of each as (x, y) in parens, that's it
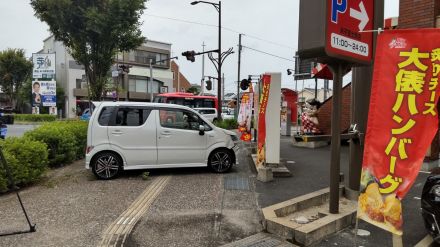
(270, 54)
(225, 28)
(180, 20)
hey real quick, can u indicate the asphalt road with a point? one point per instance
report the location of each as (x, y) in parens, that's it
(18, 129)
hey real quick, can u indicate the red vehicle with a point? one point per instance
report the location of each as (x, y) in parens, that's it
(187, 99)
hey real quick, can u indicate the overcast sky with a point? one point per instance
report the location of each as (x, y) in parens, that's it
(269, 26)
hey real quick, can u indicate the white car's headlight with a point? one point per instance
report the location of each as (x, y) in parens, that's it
(234, 138)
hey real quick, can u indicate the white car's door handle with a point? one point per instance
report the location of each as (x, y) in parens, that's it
(165, 133)
(117, 132)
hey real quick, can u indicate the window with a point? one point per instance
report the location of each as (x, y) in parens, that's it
(208, 103)
(105, 115)
(205, 111)
(180, 119)
(131, 116)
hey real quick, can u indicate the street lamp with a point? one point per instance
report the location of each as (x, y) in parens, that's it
(218, 7)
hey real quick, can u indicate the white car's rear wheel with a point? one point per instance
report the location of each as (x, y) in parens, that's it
(106, 165)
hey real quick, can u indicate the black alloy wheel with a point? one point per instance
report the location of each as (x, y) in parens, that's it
(106, 165)
(220, 161)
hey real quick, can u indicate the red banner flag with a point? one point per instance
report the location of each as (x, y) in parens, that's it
(402, 122)
(261, 152)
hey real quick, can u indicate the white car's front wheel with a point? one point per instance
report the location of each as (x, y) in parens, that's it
(221, 160)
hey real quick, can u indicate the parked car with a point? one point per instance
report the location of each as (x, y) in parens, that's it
(430, 203)
(85, 116)
(131, 135)
(208, 113)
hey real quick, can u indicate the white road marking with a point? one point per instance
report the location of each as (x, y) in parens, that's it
(417, 198)
(425, 172)
(290, 162)
(119, 222)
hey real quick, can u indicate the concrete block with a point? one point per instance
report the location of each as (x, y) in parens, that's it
(278, 217)
(264, 174)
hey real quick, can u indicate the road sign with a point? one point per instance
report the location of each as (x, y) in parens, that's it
(346, 21)
(333, 31)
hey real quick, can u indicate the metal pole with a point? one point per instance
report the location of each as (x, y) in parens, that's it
(219, 75)
(151, 80)
(360, 94)
(316, 88)
(325, 88)
(237, 105)
(223, 86)
(336, 137)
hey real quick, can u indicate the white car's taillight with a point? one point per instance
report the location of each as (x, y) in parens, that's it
(89, 149)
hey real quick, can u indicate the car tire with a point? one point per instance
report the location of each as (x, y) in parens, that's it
(220, 161)
(106, 165)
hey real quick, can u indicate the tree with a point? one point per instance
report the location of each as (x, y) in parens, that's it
(93, 31)
(15, 69)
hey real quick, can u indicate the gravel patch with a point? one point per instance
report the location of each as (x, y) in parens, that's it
(70, 207)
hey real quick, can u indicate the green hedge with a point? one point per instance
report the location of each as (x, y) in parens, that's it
(35, 117)
(52, 144)
(79, 131)
(60, 144)
(27, 160)
(227, 124)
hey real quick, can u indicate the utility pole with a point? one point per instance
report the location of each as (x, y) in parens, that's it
(237, 105)
(151, 81)
(202, 84)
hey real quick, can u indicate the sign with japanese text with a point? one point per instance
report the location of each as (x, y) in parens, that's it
(261, 142)
(44, 65)
(346, 21)
(402, 122)
(245, 116)
(44, 93)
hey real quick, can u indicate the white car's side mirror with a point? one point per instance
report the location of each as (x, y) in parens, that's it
(201, 130)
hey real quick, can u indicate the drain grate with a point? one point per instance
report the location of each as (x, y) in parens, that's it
(236, 183)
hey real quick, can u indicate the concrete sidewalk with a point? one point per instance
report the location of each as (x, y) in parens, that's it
(310, 170)
(200, 208)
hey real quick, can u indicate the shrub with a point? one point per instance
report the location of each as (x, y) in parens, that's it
(27, 161)
(79, 131)
(35, 117)
(60, 142)
(227, 124)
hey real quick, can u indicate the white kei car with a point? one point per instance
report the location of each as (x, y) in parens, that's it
(133, 135)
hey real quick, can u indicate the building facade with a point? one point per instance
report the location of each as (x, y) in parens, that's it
(180, 83)
(133, 86)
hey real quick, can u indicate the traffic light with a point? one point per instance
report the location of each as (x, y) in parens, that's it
(125, 68)
(190, 55)
(244, 84)
(208, 85)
